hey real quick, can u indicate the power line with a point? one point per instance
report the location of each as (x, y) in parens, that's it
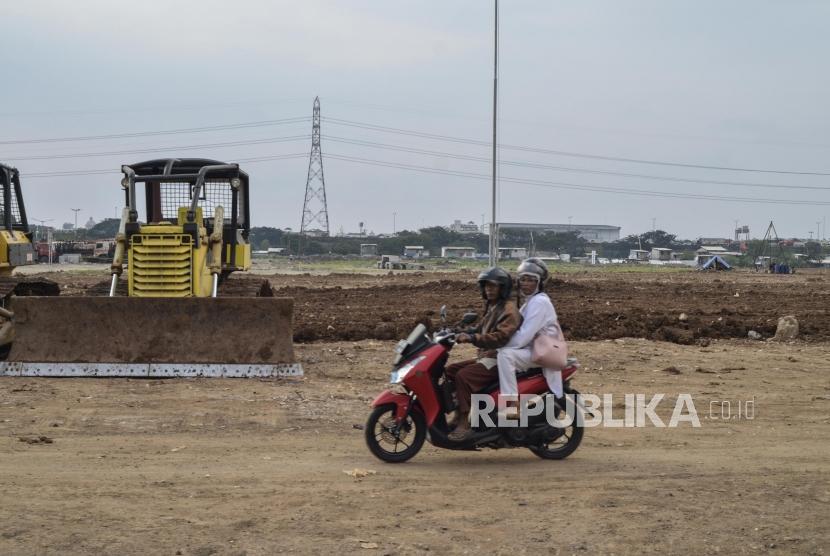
(525, 164)
(580, 187)
(264, 141)
(66, 173)
(385, 129)
(391, 147)
(156, 108)
(243, 125)
(472, 175)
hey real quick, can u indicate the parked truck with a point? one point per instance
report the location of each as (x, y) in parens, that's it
(394, 262)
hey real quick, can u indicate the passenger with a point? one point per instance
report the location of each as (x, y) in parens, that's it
(538, 317)
(500, 321)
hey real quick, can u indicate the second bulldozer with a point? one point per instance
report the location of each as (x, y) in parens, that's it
(180, 252)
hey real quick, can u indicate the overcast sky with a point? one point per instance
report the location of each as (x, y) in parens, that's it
(738, 84)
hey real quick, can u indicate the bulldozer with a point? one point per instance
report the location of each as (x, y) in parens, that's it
(177, 312)
(16, 249)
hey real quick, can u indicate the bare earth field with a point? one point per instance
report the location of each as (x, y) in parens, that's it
(259, 466)
(591, 305)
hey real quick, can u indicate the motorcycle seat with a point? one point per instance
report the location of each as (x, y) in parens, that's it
(519, 376)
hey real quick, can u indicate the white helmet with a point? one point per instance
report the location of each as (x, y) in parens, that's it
(534, 267)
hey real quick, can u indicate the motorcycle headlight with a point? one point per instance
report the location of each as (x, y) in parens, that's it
(400, 373)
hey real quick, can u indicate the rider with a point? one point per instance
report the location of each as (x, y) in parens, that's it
(500, 321)
(538, 316)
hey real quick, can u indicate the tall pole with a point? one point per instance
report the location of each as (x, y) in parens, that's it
(76, 211)
(494, 232)
(394, 226)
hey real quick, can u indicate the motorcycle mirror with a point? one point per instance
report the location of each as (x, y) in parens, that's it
(469, 318)
(443, 313)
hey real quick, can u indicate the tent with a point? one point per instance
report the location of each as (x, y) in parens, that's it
(716, 263)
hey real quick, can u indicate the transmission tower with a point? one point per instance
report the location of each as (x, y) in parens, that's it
(315, 212)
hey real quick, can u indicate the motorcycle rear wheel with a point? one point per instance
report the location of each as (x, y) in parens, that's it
(382, 432)
(565, 444)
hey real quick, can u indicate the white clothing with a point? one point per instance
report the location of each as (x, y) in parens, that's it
(512, 360)
(538, 316)
(488, 362)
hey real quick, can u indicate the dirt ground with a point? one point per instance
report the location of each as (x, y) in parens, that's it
(213, 466)
(234, 466)
(591, 305)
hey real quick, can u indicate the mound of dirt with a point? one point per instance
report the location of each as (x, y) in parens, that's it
(591, 306)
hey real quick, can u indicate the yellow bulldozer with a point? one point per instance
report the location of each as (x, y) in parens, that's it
(16, 250)
(16, 247)
(173, 314)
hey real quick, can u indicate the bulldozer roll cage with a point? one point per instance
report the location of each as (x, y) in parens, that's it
(12, 210)
(195, 183)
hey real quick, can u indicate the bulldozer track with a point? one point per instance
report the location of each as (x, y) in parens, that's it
(23, 286)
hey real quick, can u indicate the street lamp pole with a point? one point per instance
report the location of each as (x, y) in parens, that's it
(76, 211)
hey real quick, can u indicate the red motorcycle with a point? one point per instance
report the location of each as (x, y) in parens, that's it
(415, 408)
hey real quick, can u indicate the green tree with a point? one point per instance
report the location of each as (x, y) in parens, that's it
(813, 250)
(105, 229)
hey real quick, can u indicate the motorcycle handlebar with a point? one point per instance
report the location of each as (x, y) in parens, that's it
(445, 336)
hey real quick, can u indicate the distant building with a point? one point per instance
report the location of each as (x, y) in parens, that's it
(461, 228)
(458, 252)
(661, 254)
(89, 223)
(710, 250)
(415, 252)
(638, 255)
(592, 233)
(512, 253)
(721, 241)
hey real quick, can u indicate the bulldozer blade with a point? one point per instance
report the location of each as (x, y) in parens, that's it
(153, 337)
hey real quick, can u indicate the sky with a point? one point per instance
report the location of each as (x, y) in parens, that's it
(686, 116)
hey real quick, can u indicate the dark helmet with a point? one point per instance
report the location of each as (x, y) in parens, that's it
(498, 276)
(534, 266)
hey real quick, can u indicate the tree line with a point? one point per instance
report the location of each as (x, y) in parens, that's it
(435, 237)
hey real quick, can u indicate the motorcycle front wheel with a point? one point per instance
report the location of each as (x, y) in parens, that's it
(567, 439)
(391, 441)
